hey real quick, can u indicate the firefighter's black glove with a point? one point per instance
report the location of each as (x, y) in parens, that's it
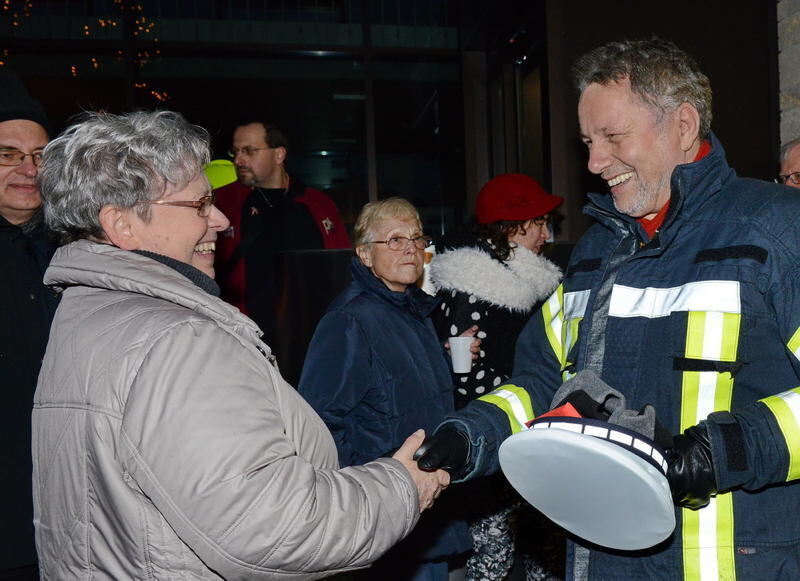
(447, 449)
(691, 468)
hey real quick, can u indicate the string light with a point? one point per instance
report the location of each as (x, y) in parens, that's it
(141, 27)
(161, 96)
(16, 15)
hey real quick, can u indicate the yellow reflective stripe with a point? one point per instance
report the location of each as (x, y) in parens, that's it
(572, 333)
(794, 343)
(553, 314)
(708, 550)
(786, 409)
(691, 544)
(575, 304)
(713, 336)
(515, 403)
(726, 551)
(690, 390)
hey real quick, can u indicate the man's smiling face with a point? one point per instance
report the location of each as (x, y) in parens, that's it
(631, 146)
(19, 192)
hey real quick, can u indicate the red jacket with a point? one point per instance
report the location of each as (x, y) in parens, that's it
(231, 199)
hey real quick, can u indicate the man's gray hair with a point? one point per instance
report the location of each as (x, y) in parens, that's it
(660, 73)
(786, 148)
(117, 160)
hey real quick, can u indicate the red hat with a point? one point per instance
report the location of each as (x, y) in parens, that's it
(513, 196)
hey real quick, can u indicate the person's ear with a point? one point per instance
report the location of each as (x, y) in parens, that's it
(280, 155)
(118, 227)
(688, 126)
(364, 255)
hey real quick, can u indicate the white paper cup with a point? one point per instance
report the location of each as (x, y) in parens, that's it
(460, 353)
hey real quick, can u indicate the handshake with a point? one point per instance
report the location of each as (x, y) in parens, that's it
(690, 458)
(429, 482)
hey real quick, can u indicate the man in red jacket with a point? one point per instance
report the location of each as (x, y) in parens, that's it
(271, 213)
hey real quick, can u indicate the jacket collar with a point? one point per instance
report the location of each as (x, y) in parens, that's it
(90, 264)
(692, 185)
(413, 299)
(516, 284)
(34, 225)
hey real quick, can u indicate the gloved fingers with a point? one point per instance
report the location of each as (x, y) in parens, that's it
(447, 449)
(597, 389)
(691, 468)
(642, 421)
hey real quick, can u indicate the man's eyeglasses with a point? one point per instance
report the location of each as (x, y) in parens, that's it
(401, 242)
(203, 205)
(245, 151)
(15, 157)
(793, 177)
(541, 220)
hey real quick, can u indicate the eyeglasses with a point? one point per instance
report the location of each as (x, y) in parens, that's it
(541, 220)
(245, 151)
(14, 157)
(203, 205)
(793, 177)
(401, 242)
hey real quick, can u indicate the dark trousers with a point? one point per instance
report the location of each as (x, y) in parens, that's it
(26, 573)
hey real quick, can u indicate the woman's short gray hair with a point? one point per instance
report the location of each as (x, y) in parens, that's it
(659, 72)
(374, 213)
(117, 160)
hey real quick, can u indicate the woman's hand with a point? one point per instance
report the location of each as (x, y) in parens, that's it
(475, 346)
(429, 484)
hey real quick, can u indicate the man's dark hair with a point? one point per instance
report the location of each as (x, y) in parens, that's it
(274, 136)
(660, 73)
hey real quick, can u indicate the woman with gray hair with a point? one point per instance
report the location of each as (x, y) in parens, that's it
(166, 444)
(375, 368)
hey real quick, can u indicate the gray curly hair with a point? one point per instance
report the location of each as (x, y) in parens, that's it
(660, 73)
(117, 160)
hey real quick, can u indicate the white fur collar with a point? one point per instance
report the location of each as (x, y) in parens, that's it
(516, 284)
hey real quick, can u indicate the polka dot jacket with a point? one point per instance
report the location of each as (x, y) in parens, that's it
(499, 296)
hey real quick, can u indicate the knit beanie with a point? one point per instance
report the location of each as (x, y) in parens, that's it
(16, 103)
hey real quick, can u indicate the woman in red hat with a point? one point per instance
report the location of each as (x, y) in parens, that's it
(493, 275)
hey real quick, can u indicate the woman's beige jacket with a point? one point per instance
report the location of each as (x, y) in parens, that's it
(167, 446)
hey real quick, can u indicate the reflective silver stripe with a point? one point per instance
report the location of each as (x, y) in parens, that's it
(518, 408)
(708, 295)
(575, 304)
(515, 402)
(574, 311)
(792, 399)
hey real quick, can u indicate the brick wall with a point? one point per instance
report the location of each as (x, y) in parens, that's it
(789, 67)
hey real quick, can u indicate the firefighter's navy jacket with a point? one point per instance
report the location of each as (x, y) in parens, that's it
(703, 318)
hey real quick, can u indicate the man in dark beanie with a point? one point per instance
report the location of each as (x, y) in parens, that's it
(27, 309)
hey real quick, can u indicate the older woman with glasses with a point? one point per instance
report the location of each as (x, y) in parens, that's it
(493, 274)
(166, 444)
(375, 369)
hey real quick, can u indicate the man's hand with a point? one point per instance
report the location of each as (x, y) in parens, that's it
(429, 484)
(475, 346)
(447, 449)
(691, 468)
